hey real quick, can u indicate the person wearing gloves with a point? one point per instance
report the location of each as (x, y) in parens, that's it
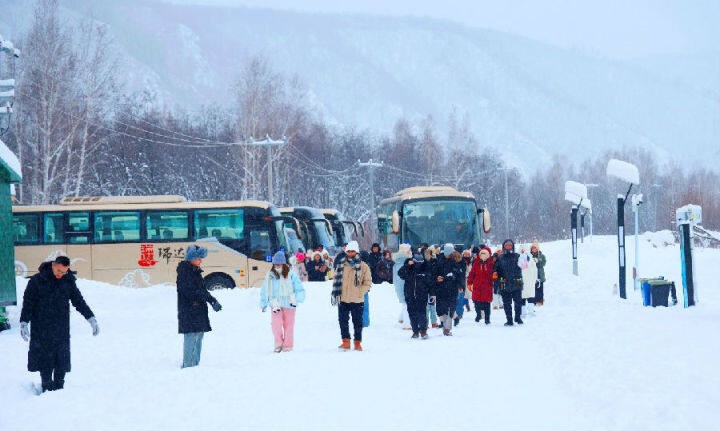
(509, 276)
(352, 281)
(193, 298)
(481, 282)
(399, 258)
(449, 275)
(417, 283)
(46, 312)
(282, 291)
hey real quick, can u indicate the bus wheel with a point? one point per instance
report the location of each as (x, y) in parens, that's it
(218, 281)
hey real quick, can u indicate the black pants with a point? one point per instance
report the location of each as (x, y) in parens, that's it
(482, 306)
(345, 310)
(508, 298)
(538, 293)
(49, 383)
(417, 310)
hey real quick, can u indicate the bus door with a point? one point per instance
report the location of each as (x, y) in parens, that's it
(261, 251)
(78, 237)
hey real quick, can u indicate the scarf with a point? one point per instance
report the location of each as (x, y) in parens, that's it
(356, 263)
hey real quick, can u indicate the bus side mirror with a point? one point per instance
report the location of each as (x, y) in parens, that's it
(395, 222)
(359, 226)
(485, 220)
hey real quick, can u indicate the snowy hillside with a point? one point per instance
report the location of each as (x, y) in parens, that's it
(367, 71)
(587, 360)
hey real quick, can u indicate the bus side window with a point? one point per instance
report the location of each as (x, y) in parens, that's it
(26, 228)
(167, 234)
(119, 236)
(54, 229)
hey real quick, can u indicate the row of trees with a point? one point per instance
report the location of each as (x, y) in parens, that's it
(77, 132)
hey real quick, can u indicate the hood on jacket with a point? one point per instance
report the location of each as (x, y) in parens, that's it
(185, 265)
(508, 241)
(45, 269)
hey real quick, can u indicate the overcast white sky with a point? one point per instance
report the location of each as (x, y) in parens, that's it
(616, 28)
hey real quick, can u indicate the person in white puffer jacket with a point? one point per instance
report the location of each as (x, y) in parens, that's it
(528, 266)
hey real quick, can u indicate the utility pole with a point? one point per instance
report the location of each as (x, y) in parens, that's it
(371, 167)
(590, 211)
(507, 205)
(7, 82)
(269, 144)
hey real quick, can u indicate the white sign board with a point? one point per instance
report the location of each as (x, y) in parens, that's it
(578, 189)
(689, 214)
(573, 198)
(624, 171)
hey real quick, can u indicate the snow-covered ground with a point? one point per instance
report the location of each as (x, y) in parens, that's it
(587, 360)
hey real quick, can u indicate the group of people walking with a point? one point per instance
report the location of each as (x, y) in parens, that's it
(439, 282)
(430, 282)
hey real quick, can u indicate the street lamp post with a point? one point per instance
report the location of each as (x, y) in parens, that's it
(575, 193)
(629, 173)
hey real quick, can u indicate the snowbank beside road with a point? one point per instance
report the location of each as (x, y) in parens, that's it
(588, 360)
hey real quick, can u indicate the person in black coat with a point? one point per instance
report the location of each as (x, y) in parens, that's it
(509, 276)
(418, 281)
(46, 311)
(449, 277)
(193, 298)
(317, 268)
(373, 259)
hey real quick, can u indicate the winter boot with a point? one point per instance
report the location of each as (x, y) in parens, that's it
(477, 318)
(424, 335)
(345, 344)
(508, 323)
(358, 345)
(435, 325)
(277, 349)
(415, 334)
(519, 321)
(467, 307)
(446, 332)
(456, 321)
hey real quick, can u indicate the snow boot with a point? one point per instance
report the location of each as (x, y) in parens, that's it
(424, 335)
(456, 321)
(345, 344)
(358, 345)
(508, 323)
(277, 349)
(518, 321)
(415, 334)
(435, 325)
(447, 333)
(477, 318)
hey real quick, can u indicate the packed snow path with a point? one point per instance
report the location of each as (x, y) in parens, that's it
(587, 360)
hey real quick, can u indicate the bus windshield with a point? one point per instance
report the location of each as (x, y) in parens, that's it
(440, 221)
(323, 237)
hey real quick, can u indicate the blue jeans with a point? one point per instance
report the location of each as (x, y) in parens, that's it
(460, 305)
(432, 313)
(366, 311)
(192, 345)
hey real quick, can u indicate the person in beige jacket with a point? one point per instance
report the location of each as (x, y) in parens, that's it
(352, 280)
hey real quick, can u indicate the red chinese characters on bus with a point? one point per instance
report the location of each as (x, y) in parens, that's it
(147, 255)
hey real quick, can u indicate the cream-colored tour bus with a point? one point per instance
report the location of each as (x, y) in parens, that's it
(137, 241)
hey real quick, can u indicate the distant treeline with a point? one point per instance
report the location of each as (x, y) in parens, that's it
(77, 132)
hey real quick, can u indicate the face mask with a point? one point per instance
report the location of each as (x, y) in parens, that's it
(278, 268)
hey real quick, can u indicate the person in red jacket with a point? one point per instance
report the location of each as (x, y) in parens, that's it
(480, 281)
